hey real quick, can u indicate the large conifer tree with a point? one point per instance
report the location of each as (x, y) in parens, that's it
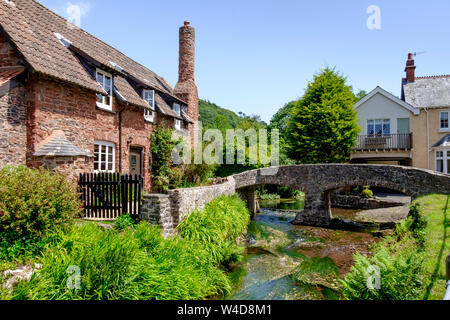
(323, 127)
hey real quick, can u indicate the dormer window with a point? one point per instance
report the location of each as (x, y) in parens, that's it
(106, 81)
(149, 96)
(177, 109)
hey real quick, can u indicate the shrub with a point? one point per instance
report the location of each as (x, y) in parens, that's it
(34, 203)
(124, 221)
(367, 193)
(400, 266)
(418, 223)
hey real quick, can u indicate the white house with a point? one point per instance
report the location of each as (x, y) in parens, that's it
(385, 122)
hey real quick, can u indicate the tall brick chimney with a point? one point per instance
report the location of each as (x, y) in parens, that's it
(410, 69)
(186, 88)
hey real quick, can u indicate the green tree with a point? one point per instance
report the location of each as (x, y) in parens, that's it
(323, 127)
(361, 94)
(280, 121)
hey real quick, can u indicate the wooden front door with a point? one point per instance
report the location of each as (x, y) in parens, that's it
(135, 160)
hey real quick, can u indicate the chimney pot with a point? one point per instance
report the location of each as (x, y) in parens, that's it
(410, 69)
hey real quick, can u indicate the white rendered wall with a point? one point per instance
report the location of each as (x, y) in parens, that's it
(380, 107)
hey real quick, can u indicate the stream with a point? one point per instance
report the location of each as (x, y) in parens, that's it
(287, 262)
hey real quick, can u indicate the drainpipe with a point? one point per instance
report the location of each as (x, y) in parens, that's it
(428, 138)
(120, 136)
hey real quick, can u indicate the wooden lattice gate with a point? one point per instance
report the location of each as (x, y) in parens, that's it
(106, 196)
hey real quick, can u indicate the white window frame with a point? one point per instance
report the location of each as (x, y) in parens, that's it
(382, 125)
(101, 160)
(149, 115)
(444, 156)
(177, 108)
(104, 105)
(444, 129)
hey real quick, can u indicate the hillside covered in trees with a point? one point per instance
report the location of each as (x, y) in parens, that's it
(217, 117)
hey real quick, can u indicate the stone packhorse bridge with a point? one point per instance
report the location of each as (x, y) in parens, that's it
(316, 181)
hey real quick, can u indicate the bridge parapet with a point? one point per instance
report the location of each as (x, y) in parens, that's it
(316, 181)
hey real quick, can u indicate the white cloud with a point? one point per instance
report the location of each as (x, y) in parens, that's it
(75, 12)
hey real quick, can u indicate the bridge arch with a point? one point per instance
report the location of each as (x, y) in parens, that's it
(316, 181)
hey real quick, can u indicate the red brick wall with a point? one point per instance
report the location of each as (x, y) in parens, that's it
(58, 106)
(12, 114)
(8, 56)
(13, 138)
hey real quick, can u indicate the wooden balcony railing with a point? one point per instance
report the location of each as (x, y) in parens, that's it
(397, 141)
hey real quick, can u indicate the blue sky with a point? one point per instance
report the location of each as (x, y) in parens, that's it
(255, 56)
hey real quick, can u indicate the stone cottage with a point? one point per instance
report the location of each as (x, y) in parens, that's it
(72, 103)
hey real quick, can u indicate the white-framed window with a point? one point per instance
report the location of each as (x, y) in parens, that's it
(104, 156)
(177, 109)
(379, 127)
(149, 96)
(106, 81)
(444, 120)
(443, 161)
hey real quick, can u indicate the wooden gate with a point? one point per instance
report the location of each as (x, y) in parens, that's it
(106, 196)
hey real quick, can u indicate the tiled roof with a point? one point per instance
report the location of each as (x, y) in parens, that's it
(125, 89)
(164, 108)
(434, 77)
(186, 117)
(444, 142)
(34, 30)
(7, 73)
(58, 146)
(428, 92)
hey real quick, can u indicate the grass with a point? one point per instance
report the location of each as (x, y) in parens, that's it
(136, 263)
(436, 209)
(412, 263)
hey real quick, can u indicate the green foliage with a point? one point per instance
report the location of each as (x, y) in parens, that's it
(400, 260)
(162, 145)
(33, 204)
(217, 226)
(124, 221)
(400, 273)
(316, 269)
(138, 263)
(323, 126)
(167, 175)
(214, 116)
(414, 225)
(280, 121)
(361, 94)
(269, 196)
(366, 193)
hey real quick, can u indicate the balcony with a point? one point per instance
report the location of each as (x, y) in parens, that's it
(391, 142)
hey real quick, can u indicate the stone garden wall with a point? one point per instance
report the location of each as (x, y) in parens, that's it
(167, 210)
(356, 202)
